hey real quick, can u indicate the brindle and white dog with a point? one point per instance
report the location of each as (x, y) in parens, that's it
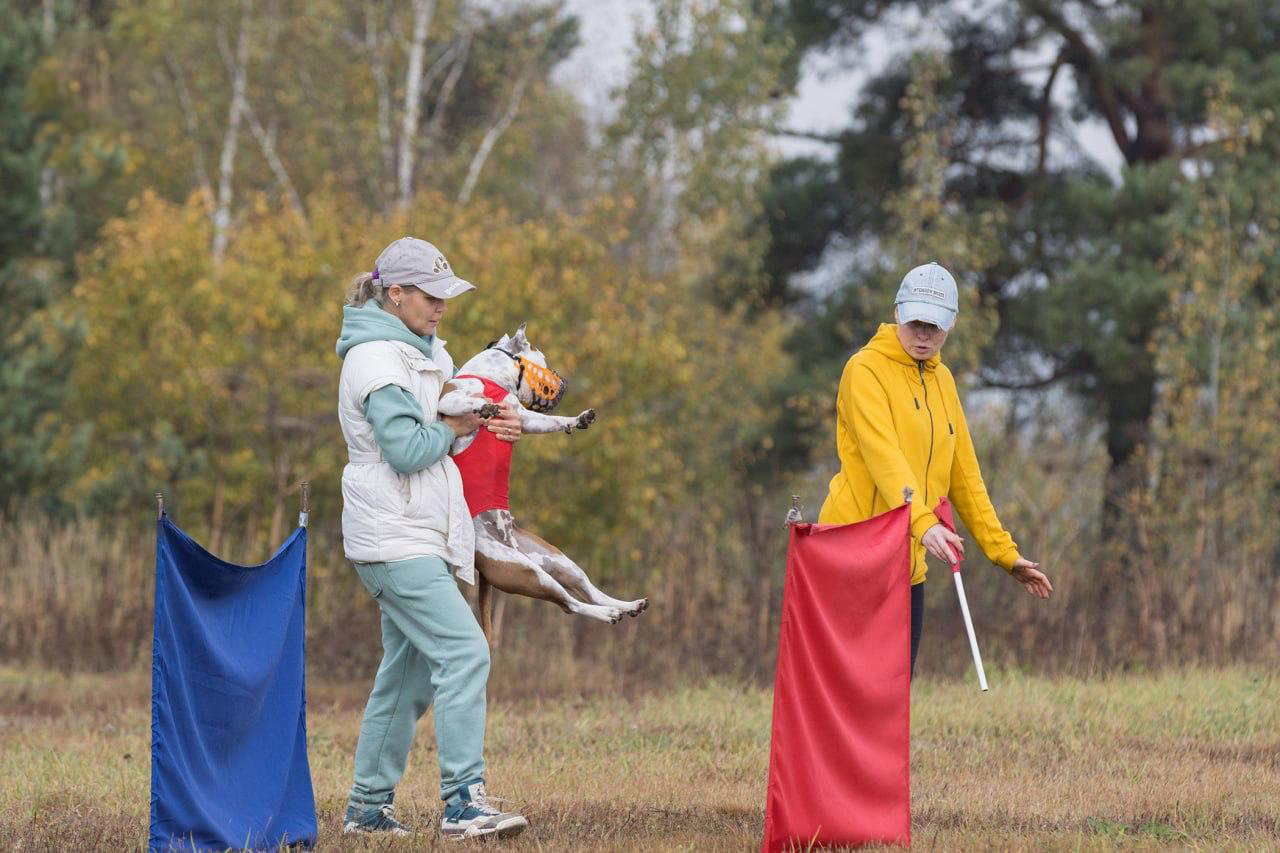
(509, 557)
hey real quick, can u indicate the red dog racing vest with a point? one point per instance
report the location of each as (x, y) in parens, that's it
(485, 465)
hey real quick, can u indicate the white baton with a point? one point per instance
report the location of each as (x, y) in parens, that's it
(968, 626)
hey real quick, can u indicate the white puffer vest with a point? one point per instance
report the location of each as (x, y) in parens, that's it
(389, 516)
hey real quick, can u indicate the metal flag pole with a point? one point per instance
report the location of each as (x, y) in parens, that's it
(968, 626)
(305, 514)
(159, 506)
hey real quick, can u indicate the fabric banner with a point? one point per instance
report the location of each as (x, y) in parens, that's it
(228, 713)
(839, 762)
(945, 515)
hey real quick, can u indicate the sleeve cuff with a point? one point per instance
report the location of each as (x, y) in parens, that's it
(922, 524)
(445, 432)
(1007, 559)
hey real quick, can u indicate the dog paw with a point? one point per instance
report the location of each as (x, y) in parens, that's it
(488, 410)
(637, 607)
(586, 419)
(612, 615)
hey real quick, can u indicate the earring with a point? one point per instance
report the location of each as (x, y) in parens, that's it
(397, 304)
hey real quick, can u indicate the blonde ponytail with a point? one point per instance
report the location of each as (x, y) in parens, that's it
(363, 288)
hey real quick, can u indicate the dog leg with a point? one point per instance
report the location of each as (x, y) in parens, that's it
(464, 396)
(570, 575)
(536, 423)
(510, 570)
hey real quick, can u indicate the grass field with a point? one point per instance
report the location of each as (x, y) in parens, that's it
(1185, 760)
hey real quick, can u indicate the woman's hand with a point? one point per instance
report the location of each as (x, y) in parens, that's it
(506, 424)
(943, 544)
(463, 424)
(1032, 579)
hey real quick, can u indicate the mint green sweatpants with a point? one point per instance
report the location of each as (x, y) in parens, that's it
(434, 656)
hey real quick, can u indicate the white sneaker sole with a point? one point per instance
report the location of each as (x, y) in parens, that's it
(512, 826)
(353, 828)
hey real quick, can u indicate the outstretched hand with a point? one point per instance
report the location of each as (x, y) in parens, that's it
(1032, 579)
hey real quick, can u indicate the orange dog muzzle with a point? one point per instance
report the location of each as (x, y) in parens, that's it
(546, 387)
(544, 384)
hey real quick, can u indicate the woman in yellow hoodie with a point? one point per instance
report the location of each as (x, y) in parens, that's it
(899, 424)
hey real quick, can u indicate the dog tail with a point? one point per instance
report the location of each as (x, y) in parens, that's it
(486, 609)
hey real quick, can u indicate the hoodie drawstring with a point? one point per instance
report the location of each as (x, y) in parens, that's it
(951, 429)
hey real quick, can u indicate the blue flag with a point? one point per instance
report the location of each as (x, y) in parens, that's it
(228, 708)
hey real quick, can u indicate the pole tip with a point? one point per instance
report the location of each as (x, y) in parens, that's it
(304, 514)
(795, 515)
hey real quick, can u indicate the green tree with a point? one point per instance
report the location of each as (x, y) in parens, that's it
(1218, 413)
(21, 218)
(686, 155)
(1079, 285)
(220, 389)
(56, 173)
(686, 147)
(920, 222)
(376, 100)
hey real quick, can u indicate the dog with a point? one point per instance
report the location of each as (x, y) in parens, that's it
(511, 371)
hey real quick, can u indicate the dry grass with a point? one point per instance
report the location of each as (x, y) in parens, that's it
(77, 597)
(1143, 762)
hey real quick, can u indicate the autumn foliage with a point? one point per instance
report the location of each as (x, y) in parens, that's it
(190, 187)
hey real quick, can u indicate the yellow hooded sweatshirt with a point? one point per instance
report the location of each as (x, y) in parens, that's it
(899, 424)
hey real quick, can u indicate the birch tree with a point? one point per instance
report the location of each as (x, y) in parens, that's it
(491, 136)
(423, 10)
(238, 69)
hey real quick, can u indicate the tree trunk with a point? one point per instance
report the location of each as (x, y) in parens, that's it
(378, 61)
(277, 519)
(1129, 409)
(49, 28)
(266, 142)
(191, 117)
(215, 522)
(458, 61)
(230, 141)
(422, 12)
(491, 137)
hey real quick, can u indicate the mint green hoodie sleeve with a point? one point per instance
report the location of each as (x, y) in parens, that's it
(407, 441)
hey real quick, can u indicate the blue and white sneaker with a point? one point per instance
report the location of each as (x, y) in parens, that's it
(470, 814)
(378, 820)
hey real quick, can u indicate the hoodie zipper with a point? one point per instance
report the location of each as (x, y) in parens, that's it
(929, 411)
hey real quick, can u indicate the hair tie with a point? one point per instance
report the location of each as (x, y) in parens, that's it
(376, 274)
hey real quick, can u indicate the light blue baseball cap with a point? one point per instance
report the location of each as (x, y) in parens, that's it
(928, 293)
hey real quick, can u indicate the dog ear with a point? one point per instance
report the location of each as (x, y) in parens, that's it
(519, 340)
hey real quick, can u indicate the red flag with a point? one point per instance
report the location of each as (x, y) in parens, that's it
(943, 513)
(839, 763)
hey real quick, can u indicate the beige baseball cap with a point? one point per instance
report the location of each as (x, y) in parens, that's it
(410, 261)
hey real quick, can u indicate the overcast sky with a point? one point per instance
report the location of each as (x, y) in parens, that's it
(827, 88)
(600, 65)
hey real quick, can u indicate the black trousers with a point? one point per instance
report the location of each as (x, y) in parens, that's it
(917, 620)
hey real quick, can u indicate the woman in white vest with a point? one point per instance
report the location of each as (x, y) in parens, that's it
(405, 524)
